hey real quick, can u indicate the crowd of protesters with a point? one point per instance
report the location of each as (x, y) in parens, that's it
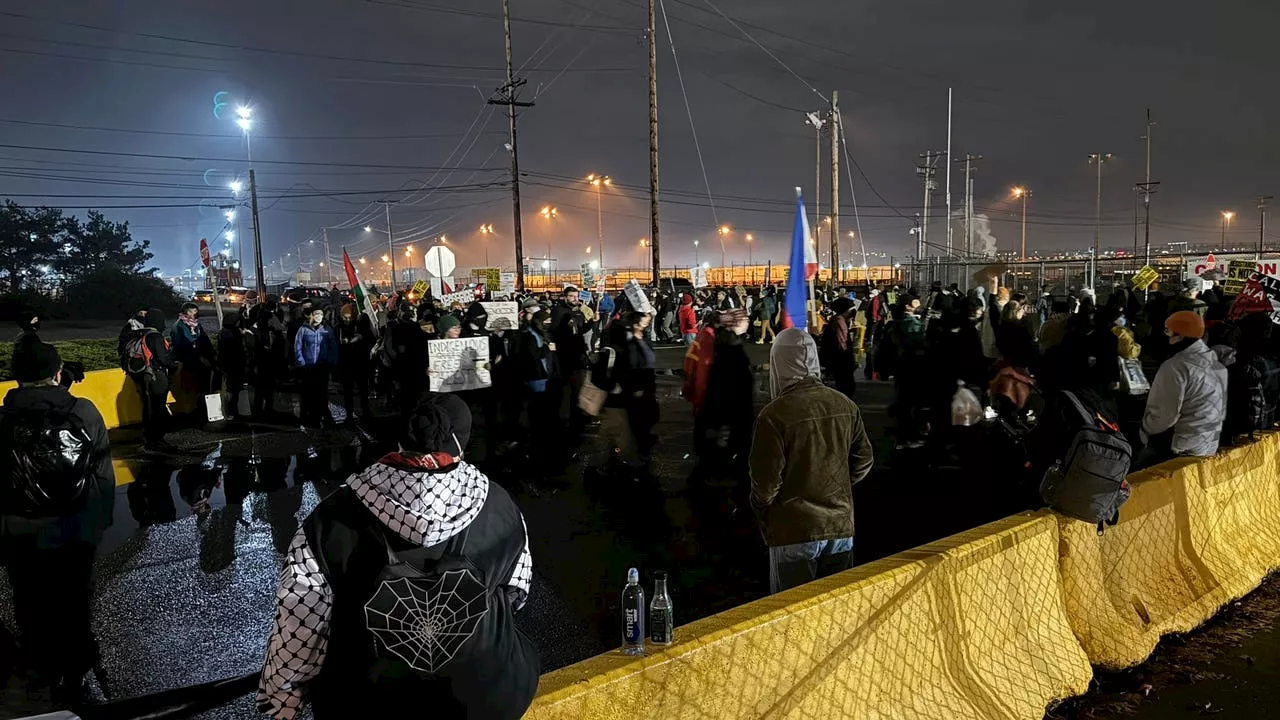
(1177, 375)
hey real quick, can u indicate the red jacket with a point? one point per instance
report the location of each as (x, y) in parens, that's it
(697, 367)
(688, 318)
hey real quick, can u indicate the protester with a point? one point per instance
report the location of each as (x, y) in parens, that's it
(233, 359)
(405, 355)
(1188, 298)
(449, 327)
(688, 319)
(150, 364)
(839, 357)
(1253, 380)
(59, 493)
(270, 356)
(569, 324)
(355, 341)
(728, 409)
(809, 449)
(536, 367)
(315, 353)
(417, 518)
(194, 354)
(1187, 404)
(132, 327)
(624, 371)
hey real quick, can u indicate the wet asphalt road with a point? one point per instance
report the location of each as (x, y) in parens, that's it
(186, 576)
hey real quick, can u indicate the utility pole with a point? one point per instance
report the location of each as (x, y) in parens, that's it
(1262, 224)
(948, 166)
(817, 121)
(257, 237)
(1137, 189)
(328, 264)
(653, 144)
(391, 248)
(969, 159)
(927, 172)
(1099, 158)
(507, 95)
(1146, 193)
(835, 186)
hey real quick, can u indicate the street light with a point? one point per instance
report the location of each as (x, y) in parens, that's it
(695, 252)
(549, 212)
(599, 182)
(236, 186)
(230, 235)
(1023, 193)
(486, 230)
(1227, 216)
(368, 228)
(363, 261)
(231, 215)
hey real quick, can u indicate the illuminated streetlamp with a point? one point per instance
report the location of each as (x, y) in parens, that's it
(599, 182)
(1023, 193)
(236, 186)
(1227, 216)
(750, 239)
(695, 251)
(487, 230)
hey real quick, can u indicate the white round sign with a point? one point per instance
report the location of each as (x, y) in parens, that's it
(440, 261)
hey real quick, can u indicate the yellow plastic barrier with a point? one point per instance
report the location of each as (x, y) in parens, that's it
(111, 391)
(969, 627)
(1194, 535)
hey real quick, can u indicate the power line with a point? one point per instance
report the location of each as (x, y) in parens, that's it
(237, 136)
(766, 50)
(220, 160)
(689, 111)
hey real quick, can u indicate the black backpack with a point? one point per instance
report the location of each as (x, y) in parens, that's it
(46, 463)
(1089, 482)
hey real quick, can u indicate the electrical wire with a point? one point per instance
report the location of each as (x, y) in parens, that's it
(689, 112)
(766, 50)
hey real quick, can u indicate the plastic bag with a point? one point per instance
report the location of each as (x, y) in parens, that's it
(965, 408)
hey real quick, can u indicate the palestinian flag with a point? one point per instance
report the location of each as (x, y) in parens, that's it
(358, 289)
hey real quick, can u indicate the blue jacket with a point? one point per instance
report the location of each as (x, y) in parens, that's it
(315, 346)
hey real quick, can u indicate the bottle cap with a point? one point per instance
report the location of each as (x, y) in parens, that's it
(633, 575)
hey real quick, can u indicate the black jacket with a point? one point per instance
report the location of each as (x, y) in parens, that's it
(355, 340)
(567, 326)
(90, 523)
(527, 358)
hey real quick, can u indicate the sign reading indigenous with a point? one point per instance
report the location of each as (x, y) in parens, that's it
(460, 364)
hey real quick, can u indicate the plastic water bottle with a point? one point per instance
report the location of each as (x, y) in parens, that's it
(661, 618)
(633, 615)
(965, 408)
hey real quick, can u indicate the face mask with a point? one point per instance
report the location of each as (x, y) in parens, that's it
(317, 318)
(1122, 321)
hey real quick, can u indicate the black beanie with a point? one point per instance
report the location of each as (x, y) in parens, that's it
(35, 361)
(436, 421)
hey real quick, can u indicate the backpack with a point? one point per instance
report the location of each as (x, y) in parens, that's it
(46, 463)
(137, 355)
(1089, 482)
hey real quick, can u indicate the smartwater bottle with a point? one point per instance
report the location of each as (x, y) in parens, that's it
(661, 619)
(633, 615)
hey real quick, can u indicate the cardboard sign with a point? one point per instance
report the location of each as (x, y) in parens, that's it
(460, 364)
(585, 296)
(1144, 277)
(507, 283)
(698, 276)
(588, 275)
(462, 296)
(1238, 274)
(1260, 294)
(420, 288)
(502, 315)
(637, 298)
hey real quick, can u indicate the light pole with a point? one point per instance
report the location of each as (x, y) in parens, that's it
(486, 230)
(750, 239)
(599, 182)
(244, 120)
(723, 231)
(644, 243)
(1021, 192)
(1227, 216)
(1098, 158)
(695, 252)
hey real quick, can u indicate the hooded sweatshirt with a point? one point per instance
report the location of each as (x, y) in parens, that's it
(687, 315)
(1189, 397)
(422, 507)
(809, 448)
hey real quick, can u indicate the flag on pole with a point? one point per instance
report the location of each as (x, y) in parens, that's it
(804, 265)
(358, 289)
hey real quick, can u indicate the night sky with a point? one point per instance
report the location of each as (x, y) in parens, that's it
(360, 101)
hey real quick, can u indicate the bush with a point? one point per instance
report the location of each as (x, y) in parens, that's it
(110, 293)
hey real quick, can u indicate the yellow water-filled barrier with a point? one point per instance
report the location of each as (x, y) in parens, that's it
(111, 391)
(1195, 535)
(972, 626)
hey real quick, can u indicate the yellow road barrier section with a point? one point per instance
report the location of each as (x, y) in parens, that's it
(1195, 535)
(969, 627)
(111, 391)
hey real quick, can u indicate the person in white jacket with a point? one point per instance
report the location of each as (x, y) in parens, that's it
(1188, 400)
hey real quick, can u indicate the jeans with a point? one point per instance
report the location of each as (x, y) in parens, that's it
(689, 338)
(794, 565)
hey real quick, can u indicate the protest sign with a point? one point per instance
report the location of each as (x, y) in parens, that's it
(502, 315)
(462, 296)
(1144, 277)
(460, 364)
(698, 276)
(637, 298)
(584, 296)
(507, 284)
(588, 275)
(420, 288)
(1238, 273)
(490, 276)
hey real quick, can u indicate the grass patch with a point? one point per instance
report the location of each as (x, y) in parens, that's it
(95, 354)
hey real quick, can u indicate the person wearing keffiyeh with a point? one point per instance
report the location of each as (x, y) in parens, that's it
(326, 648)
